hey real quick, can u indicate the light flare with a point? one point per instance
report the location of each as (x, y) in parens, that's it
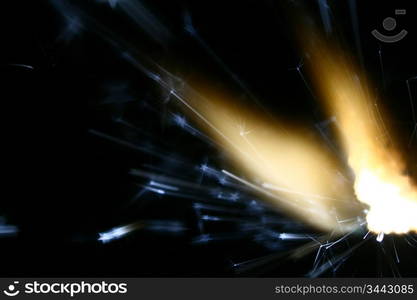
(286, 164)
(379, 168)
(294, 170)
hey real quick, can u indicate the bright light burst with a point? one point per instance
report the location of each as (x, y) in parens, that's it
(297, 173)
(368, 141)
(393, 205)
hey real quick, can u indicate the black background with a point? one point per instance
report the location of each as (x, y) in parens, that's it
(63, 185)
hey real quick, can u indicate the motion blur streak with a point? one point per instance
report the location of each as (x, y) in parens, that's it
(307, 182)
(372, 153)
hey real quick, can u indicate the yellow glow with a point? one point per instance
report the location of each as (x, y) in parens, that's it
(392, 210)
(293, 169)
(379, 169)
(288, 165)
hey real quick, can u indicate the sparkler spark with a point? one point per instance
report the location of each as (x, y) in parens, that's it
(293, 170)
(285, 164)
(304, 173)
(372, 153)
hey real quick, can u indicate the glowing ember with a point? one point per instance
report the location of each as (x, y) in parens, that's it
(372, 154)
(393, 207)
(293, 170)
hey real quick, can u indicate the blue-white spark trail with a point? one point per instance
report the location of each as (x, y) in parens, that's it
(7, 230)
(217, 195)
(413, 109)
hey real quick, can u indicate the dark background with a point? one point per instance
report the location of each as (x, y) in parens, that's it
(63, 185)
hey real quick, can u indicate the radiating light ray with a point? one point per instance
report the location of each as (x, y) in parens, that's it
(413, 110)
(7, 230)
(246, 178)
(264, 152)
(372, 153)
(116, 233)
